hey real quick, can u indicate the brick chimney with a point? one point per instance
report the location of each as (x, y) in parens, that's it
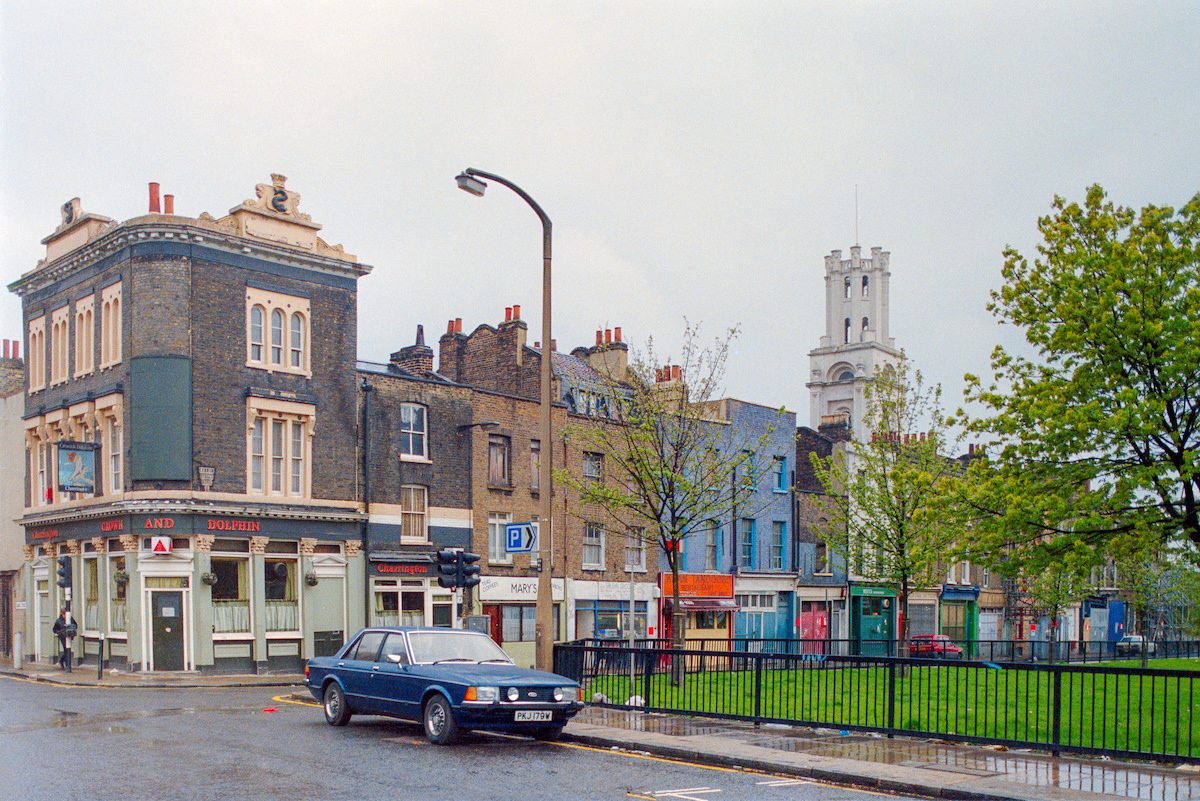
(416, 358)
(610, 356)
(450, 350)
(512, 334)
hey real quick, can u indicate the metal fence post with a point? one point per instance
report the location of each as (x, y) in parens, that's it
(891, 710)
(647, 674)
(1057, 711)
(758, 687)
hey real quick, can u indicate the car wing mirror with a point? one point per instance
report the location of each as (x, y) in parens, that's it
(395, 659)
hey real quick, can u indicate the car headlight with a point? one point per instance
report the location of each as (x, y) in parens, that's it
(482, 694)
(513, 693)
(566, 693)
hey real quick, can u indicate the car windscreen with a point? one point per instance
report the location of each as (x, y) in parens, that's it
(439, 646)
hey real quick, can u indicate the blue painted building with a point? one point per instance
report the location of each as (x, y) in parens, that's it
(754, 542)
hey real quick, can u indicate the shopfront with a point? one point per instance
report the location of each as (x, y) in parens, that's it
(510, 603)
(405, 592)
(180, 592)
(873, 620)
(706, 605)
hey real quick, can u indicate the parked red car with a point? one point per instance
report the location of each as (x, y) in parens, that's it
(933, 646)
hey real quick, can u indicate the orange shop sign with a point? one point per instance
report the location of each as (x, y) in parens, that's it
(699, 585)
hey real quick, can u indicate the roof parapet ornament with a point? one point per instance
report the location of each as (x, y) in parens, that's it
(274, 197)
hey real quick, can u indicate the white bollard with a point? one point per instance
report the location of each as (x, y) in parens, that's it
(18, 650)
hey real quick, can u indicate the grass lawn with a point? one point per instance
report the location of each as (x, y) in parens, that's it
(1121, 710)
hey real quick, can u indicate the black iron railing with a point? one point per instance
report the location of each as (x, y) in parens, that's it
(1126, 712)
(984, 650)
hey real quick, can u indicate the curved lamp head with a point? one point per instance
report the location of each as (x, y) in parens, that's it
(469, 183)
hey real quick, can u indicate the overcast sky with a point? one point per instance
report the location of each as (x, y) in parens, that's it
(698, 159)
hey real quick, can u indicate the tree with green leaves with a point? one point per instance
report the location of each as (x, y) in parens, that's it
(1050, 593)
(1094, 437)
(670, 464)
(891, 526)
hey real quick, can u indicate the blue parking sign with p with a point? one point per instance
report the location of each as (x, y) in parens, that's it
(520, 537)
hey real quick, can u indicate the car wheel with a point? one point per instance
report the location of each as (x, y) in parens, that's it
(548, 733)
(440, 727)
(337, 711)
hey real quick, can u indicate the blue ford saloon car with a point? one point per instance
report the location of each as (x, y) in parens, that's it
(449, 680)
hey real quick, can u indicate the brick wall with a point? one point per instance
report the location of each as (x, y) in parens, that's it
(221, 377)
(448, 473)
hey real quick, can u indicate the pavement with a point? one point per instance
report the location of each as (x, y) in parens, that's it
(919, 767)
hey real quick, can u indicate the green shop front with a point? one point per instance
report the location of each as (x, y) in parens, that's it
(958, 613)
(872, 620)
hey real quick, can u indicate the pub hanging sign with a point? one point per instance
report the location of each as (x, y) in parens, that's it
(77, 467)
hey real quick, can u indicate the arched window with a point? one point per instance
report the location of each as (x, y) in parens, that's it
(865, 282)
(297, 340)
(276, 336)
(846, 337)
(256, 333)
(846, 375)
(846, 287)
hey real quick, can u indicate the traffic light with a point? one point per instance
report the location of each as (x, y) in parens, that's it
(468, 572)
(447, 569)
(64, 571)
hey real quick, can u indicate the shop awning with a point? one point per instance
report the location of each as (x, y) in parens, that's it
(708, 605)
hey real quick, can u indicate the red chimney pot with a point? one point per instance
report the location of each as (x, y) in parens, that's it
(516, 312)
(168, 204)
(617, 333)
(154, 198)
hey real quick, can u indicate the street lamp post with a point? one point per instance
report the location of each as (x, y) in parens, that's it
(469, 181)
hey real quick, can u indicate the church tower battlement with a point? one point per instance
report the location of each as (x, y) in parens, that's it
(856, 342)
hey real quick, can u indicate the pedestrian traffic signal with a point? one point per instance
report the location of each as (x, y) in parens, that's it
(447, 569)
(468, 572)
(64, 571)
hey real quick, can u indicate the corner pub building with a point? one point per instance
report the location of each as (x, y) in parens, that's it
(191, 440)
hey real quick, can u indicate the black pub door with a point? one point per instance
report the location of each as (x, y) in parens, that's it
(167, 628)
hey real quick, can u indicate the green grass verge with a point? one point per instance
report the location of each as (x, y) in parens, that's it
(1122, 712)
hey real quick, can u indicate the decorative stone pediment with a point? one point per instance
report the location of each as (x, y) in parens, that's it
(77, 229)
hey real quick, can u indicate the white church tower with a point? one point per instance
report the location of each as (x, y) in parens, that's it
(856, 341)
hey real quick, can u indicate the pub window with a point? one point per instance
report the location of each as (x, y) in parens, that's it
(279, 589)
(230, 595)
(117, 609)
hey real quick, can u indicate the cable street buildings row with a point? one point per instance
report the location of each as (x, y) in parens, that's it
(192, 440)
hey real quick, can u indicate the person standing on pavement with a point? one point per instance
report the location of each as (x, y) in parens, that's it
(64, 629)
